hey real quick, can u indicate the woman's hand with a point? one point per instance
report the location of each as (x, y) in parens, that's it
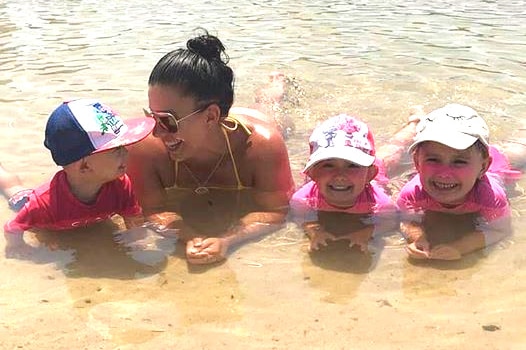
(206, 250)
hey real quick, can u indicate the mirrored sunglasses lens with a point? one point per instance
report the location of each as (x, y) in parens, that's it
(167, 122)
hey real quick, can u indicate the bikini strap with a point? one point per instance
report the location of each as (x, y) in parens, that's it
(234, 165)
(236, 123)
(176, 167)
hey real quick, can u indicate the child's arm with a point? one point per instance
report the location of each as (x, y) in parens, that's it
(454, 250)
(14, 238)
(133, 221)
(386, 219)
(15, 244)
(417, 244)
(490, 224)
(139, 232)
(485, 234)
(358, 228)
(307, 218)
(411, 230)
(360, 237)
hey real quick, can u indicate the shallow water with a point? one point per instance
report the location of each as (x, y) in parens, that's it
(370, 58)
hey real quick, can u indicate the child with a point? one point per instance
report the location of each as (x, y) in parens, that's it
(458, 185)
(343, 169)
(87, 139)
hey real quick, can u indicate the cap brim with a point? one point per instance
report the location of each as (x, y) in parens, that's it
(350, 154)
(138, 129)
(456, 140)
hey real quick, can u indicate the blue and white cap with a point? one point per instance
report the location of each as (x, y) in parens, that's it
(82, 127)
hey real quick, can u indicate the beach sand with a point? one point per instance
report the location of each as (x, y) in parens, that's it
(87, 292)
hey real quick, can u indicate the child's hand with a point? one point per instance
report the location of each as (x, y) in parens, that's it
(135, 238)
(318, 236)
(16, 247)
(359, 238)
(418, 249)
(360, 243)
(444, 252)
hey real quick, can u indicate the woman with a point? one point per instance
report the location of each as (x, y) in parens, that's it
(200, 146)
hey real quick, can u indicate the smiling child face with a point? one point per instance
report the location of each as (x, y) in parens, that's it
(447, 174)
(341, 182)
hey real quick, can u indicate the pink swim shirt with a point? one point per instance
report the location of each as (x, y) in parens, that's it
(488, 196)
(372, 200)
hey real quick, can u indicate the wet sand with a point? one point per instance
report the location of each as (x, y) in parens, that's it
(90, 293)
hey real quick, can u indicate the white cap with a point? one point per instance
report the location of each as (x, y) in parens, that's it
(342, 137)
(454, 125)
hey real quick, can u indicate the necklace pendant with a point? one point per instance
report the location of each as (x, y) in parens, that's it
(201, 190)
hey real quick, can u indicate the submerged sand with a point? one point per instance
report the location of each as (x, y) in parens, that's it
(87, 292)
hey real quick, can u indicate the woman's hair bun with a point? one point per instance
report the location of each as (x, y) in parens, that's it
(207, 46)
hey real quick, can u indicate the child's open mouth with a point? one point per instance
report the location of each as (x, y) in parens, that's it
(443, 186)
(340, 187)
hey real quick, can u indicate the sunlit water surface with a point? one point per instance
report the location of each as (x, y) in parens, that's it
(374, 59)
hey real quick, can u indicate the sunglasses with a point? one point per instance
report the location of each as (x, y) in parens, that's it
(168, 120)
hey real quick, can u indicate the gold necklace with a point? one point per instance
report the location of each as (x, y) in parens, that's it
(201, 185)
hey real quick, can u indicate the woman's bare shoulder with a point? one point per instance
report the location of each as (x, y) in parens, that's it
(263, 128)
(249, 115)
(148, 158)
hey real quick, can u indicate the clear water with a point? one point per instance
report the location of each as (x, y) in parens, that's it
(374, 59)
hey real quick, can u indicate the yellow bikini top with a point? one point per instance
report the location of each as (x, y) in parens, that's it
(230, 123)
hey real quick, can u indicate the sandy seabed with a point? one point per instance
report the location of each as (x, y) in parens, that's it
(84, 291)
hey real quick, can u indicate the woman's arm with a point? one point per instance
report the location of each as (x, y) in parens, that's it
(272, 188)
(272, 184)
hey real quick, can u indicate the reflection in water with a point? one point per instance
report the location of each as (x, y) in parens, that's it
(443, 228)
(112, 291)
(433, 279)
(212, 212)
(134, 311)
(348, 266)
(96, 255)
(437, 278)
(337, 270)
